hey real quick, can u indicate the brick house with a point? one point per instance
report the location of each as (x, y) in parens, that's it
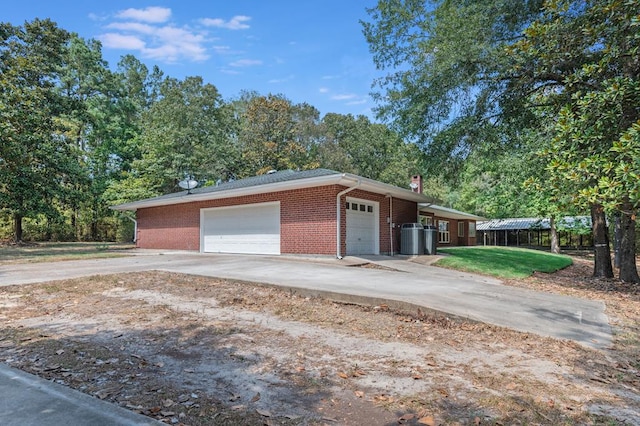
(319, 212)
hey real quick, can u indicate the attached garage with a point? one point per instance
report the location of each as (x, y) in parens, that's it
(245, 229)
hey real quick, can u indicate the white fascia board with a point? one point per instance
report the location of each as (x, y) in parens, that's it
(377, 187)
(448, 213)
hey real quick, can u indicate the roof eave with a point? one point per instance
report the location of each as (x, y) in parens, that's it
(450, 213)
(345, 179)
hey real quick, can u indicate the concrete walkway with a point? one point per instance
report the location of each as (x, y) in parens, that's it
(407, 284)
(27, 400)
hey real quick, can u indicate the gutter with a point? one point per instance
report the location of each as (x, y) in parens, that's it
(390, 197)
(338, 215)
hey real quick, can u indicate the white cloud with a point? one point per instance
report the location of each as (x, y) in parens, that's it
(221, 49)
(344, 97)
(133, 27)
(323, 90)
(229, 71)
(120, 41)
(235, 23)
(150, 14)
(359, 102)
(282, 80)
(167, 43)
(245, 63)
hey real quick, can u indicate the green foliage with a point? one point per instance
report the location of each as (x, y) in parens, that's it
(446, 67)
(36, 160)
(184, 133)
(355, 145)
(502, 262)
(275, 134)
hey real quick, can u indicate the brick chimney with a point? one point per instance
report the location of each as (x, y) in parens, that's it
(416, 184)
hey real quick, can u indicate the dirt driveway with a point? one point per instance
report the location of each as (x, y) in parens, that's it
(195, 350)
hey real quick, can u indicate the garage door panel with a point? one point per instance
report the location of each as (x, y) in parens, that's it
(361, 227)
(251, 229)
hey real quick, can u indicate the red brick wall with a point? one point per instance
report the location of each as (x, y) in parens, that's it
(403, 212)
(453, 233)
(307, 220)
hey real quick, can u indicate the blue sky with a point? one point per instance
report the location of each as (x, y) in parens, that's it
(311, 52)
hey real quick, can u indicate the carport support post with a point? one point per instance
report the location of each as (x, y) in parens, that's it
(338, 215)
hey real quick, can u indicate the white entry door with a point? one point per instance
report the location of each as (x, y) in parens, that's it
(362, 227)
(246, 229)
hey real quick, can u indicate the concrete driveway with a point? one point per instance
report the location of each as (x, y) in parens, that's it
(405, 284)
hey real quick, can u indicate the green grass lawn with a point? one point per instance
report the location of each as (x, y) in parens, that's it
(53, 252)
(502, 262)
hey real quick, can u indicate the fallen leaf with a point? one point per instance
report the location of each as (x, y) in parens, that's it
(406, 417)
(155, 409)
(167, 413)
(168, 403)
(359, 394)
(477, 421)
(263, 413)
(417, 377)
(343, 375)
(256, 397)
(427, 420)
(59, 351)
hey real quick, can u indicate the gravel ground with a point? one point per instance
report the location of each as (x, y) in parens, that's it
(199, 351)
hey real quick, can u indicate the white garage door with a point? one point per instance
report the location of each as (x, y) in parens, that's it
(248, 229)
(362, 225)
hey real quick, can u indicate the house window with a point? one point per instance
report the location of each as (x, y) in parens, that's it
(472, 229)
(347, 206)
(460, 229)
(369, 209)
(443, 232)
(426, 220)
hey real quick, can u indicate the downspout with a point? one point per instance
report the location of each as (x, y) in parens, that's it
(338, 222)
(390, 197)
(135, 228)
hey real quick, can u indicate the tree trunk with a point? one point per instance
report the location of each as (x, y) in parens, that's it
(555, 242)
(617, 237)
(628, 269)
(602, 264)
(17, 227)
